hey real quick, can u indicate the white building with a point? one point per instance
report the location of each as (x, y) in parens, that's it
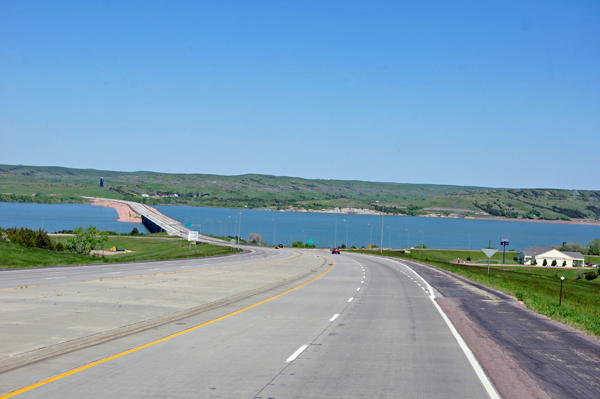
(536, 255)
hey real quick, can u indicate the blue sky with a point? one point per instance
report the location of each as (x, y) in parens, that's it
(496, 94)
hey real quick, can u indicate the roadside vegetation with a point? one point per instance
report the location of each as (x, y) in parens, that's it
(143, 248)
(55, 185)
(537, 287)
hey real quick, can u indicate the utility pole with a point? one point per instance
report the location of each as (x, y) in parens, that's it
(239, 230)
(382, 213)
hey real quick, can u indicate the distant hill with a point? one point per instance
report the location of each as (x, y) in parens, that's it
(19, 183)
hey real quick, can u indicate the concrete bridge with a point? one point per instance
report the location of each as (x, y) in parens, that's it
(158, 223)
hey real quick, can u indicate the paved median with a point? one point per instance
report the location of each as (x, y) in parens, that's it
(43, 321)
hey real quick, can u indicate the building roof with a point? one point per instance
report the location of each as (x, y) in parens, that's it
(535, 250)
(574, 255)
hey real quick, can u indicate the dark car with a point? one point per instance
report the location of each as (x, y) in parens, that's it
(335, 251)
(279, 246)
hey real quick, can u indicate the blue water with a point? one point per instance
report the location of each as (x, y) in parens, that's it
(55, 217)
(398, 231)
(287, 227)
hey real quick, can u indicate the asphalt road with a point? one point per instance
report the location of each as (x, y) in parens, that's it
(360, 328)
(556, 360)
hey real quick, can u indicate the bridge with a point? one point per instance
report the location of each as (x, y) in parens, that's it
(157, 223)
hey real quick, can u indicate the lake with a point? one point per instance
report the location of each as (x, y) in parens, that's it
(287, 227)
(55, 217)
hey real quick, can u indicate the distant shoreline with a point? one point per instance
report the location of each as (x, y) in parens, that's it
(579, 222)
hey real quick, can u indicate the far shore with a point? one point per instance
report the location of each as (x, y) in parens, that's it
(127, 215)
(585, 222)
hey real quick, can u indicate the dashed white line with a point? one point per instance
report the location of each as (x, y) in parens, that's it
(335, 316)
(114, 273)
(358, 289)
(350, 300)
(52, 278)
(297, 353)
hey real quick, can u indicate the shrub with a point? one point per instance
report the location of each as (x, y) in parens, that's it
(545, 263)
(469, 258)
(84, 241)
(564, 263)
(29, 238)
(554, 262)
(591, 275)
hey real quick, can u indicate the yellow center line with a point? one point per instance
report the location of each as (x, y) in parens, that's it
(150, 275)
(78, 369)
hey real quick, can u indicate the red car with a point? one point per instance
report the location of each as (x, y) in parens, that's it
(335, 251)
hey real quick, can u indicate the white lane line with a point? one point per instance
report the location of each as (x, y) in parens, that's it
(153, 269)
(474, 363)
(52, 278)
(362, 282)
(358, 289)
(297, 353)
(335, 316)
(350, 300)
(114, 273)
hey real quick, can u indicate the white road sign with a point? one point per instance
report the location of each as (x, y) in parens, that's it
(489, 252)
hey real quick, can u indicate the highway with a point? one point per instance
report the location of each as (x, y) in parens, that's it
(353, 328)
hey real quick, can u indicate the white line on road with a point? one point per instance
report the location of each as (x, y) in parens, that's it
(114, 273)
(335, 316)
(362, 282)
(297, 353)
(52, 278)
(358, 289)
(350, 300)
(153, 269)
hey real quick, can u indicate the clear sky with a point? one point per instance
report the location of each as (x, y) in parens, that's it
(481, 93)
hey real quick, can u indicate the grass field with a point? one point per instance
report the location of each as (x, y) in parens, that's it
(537, 287)
(143, 249)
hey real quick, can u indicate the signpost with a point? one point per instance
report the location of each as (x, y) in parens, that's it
(489, 252)
(562, 278)
(504, 243)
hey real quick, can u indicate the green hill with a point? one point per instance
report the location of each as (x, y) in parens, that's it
(20, 183)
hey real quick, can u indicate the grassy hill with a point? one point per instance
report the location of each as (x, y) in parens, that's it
(20, 183)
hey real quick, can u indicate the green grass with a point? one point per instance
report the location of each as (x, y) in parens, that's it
(537, 287)
(143, 249)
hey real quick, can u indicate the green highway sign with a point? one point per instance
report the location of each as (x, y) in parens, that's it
(188, 224)
(311, 241)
